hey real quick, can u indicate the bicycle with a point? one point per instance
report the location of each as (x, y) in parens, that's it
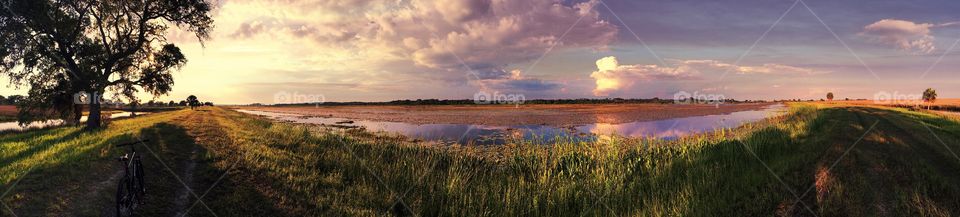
(130, 190)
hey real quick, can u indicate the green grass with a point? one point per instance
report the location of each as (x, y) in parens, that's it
(899, 168)
(68, 170)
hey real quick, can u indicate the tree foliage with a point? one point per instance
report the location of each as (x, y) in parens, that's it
(930, 95)
(193, 101)
(93, 46)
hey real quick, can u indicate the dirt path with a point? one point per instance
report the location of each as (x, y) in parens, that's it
(170, 159)
(205, 176)
(183, 195)
(109, 209)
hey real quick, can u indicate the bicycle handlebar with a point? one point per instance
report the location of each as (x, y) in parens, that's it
(133, 143)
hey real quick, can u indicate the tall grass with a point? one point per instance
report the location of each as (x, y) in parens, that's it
(254, 166)
(320, 171)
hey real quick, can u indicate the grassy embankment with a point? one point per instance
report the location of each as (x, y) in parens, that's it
(897, 168)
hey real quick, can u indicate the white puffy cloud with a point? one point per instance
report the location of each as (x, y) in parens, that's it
(611, 76)
(903, 34)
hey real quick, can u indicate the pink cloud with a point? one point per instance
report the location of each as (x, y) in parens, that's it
(903, 34)
(611, 76)
(444, 38)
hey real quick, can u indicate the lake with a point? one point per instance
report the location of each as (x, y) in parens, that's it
(13, 126)
(493, 135)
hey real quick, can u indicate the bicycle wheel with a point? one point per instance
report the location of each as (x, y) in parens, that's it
(140, 188)
(125, 200)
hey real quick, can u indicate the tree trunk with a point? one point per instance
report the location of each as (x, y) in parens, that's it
(77, 113)
(93, 119)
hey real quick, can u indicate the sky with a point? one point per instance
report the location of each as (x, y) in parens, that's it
(286, 51)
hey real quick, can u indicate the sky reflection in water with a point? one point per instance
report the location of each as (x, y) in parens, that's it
(492, 135)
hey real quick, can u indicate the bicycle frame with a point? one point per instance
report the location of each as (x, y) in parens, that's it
(132, 182)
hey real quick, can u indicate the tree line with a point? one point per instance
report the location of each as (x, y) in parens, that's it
(929, 95)
(11, 100)
(192, 100)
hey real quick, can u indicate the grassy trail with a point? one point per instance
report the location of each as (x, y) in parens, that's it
(858, 161)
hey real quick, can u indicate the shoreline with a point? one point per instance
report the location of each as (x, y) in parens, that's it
(562, 115)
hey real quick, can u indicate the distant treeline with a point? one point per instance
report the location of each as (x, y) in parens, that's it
(950, 108)
(532, 101)
(10, 100)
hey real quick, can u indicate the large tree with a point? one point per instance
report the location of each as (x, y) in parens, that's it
(96, 46)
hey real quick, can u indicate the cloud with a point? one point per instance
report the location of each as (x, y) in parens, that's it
(515, 82)
(903, 34)
(611, 76)
(439, 39)
(771, 68)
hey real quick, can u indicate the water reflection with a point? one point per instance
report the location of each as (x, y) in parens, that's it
(485, 134)
(13, 126)
(678, 127)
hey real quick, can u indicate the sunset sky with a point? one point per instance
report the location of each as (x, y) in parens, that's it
(358, 50)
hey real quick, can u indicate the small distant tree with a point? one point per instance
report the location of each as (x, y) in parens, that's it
(134, 103)
(193, 101)
(182, 103)
(830, 96)
(172, 103)
(930, 96)
(208, 104)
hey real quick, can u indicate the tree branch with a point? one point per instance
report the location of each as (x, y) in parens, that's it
(141, 38)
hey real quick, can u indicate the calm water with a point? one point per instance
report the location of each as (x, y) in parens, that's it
(13, 126)
(485, 134)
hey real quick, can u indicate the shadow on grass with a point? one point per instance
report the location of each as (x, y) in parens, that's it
(178, 163)
(67, 166)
